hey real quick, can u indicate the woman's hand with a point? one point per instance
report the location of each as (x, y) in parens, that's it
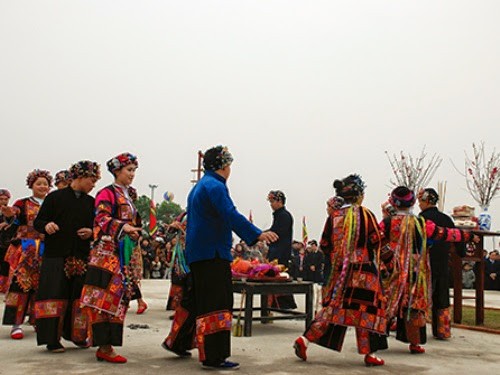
(133, 232)
(51, 228)
(9, 211)
(268, 237)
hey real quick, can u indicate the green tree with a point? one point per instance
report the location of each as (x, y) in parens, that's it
(165, 211)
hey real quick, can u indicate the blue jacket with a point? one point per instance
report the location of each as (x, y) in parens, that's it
(212, 217)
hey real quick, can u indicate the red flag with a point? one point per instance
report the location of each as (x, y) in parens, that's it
(304, 231)
(250, 217)
(152, 219)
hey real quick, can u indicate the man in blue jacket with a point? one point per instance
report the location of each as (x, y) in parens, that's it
(212, 217)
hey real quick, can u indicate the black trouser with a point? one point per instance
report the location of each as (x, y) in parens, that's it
(213, 295)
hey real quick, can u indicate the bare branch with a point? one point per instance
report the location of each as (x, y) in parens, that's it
(482, 177)
(412, 172)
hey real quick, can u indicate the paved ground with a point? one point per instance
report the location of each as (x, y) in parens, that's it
(268, 351)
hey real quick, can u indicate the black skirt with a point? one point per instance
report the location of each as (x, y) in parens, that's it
(57, 305)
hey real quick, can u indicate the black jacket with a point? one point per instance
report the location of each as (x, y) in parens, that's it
(283, 227)
(70, 213)
(439, 251)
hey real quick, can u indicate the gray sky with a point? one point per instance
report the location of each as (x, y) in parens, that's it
(302, 92)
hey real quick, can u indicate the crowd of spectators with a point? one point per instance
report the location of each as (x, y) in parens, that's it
(491, 272)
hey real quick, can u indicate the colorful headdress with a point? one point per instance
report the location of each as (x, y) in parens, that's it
(217, 158)
(85, 168)
(36, 174)
(428, 195)
(62, 176)
(120, 161)
(402, 197)
(350, 187)
(276, 195)
(4, 193)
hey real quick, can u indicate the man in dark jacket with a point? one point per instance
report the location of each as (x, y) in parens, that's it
(439, 256)
(281, 250)
(66, 218)
(492, 271)
(315, 261)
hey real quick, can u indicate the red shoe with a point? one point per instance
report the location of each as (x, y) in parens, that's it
(416, 349)
(300, 348)
(142, 308)
(17, 334)
(101, 356)
(371, 360)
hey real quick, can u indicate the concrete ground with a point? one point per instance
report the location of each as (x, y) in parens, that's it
(268, 351)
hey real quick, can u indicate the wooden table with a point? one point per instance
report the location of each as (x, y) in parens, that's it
(265, 289)
(474, 256)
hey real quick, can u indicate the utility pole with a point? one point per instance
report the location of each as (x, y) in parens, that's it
(152, 187)
(199, 169)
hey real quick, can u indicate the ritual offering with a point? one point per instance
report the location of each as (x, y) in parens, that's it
(463, 216)
(257, 271)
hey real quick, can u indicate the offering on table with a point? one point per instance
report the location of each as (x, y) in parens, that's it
(255, 270)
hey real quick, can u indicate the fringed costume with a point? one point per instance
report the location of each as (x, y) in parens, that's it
(181, 337)
(408, 284)
(353, 294)
(179, 267)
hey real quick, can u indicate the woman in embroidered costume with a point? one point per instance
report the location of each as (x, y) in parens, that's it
(212, 217)
(114, 269)
(63, 179)
(24, 254)
(7, 231)
(353, 293)
(66, 219)
(181, 336)
(407, 283)
(177, 262)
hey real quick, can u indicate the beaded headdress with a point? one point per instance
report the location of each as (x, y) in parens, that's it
(36, 174)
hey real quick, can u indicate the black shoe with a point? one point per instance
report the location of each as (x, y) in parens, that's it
(180, 353)
(82, 344)
(56, 348)
(226, 365)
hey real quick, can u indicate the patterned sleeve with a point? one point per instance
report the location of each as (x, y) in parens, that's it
(104, 221)
(20, 212)
(438, 233)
